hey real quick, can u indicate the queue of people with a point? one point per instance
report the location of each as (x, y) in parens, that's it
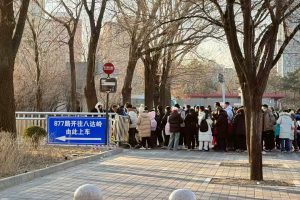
(221, 129)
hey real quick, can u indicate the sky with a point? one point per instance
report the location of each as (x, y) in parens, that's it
(216, 51)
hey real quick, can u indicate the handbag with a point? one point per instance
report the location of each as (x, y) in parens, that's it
(167, 127)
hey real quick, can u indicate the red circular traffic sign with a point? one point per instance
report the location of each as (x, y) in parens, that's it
(108, 68)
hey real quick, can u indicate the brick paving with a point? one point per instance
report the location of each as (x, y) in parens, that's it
(154, 174)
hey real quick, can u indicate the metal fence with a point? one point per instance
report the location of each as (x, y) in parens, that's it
(27, 119)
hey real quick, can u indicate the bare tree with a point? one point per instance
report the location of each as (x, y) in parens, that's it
(41, 62)
(150, 35)
(137, 18)
(11, 31)
(36, 29)
(251, 29)
(72, 10)
(95, 29)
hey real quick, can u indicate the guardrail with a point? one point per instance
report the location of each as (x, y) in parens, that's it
(27, 119)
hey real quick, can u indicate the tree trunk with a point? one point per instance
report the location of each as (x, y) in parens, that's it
(7, 104)
(38, 92)
(165, 94)
(162, 94)
(10, 37)
(7, 101)
(253, 101)
(156, 93)
(73, 75)
(89, 90)
(126, 90)
(149, 86)
(247, 105)
(168, 95)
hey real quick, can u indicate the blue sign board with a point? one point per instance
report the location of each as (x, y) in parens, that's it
(77, 130)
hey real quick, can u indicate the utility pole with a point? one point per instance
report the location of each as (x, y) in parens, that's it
(222, 81)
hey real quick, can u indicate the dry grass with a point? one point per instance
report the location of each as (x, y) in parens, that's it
(11, 155)
(17, 158)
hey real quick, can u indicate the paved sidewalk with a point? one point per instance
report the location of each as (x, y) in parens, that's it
(154, 174)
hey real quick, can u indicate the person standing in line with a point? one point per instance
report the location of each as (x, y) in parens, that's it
(294, 142)
(132, 125)
(222, 130)
(286, 130)
(153, 129)
(158, 117)
(297, 118)
(174, 120)
(229, 110)
(163, 125)
(268, 136)
(239, 130)
(205, 131)
(144, 127)
(191, 125)
(182, 137)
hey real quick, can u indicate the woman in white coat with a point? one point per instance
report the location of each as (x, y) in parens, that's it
(205, 132)
(286, 133)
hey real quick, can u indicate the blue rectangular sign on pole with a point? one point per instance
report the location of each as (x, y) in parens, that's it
(77, 130)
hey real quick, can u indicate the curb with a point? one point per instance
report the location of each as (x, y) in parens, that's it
(22, 178)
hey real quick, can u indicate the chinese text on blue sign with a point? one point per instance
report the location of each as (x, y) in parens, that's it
(77, 130)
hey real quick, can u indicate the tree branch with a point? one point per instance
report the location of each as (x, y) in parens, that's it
(20, 26)
(285, 43)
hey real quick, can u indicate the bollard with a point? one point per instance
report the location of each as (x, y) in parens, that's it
(182, 194)
(88, 192)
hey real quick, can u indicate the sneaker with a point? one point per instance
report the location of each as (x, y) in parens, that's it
(149, 148)
(142, 148)
(263, 152)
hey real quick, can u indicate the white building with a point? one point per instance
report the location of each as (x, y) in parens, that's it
(290, 59)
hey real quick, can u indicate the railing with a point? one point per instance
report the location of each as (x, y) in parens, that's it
(27, 119)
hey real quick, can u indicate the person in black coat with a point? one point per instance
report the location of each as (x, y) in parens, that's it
(174, 120)
(222, 129)
(191, 125)
(239, 130)
(163, 124)
(158, 118)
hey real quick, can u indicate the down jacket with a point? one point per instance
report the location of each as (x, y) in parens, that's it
(144, 125)
(133, 118)
(268, 121)
(175, 120)
(287, 126)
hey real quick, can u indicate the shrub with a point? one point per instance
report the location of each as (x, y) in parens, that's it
(35, 134)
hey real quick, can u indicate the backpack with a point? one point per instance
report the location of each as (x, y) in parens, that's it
(153, 125)
(203, 126)
(167, 127)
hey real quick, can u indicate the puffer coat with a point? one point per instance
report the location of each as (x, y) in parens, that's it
(144, 125)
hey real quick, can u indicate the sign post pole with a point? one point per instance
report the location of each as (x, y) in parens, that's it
(108, 69)
(107, 119)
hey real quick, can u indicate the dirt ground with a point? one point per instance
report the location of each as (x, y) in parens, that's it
(48, 155)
